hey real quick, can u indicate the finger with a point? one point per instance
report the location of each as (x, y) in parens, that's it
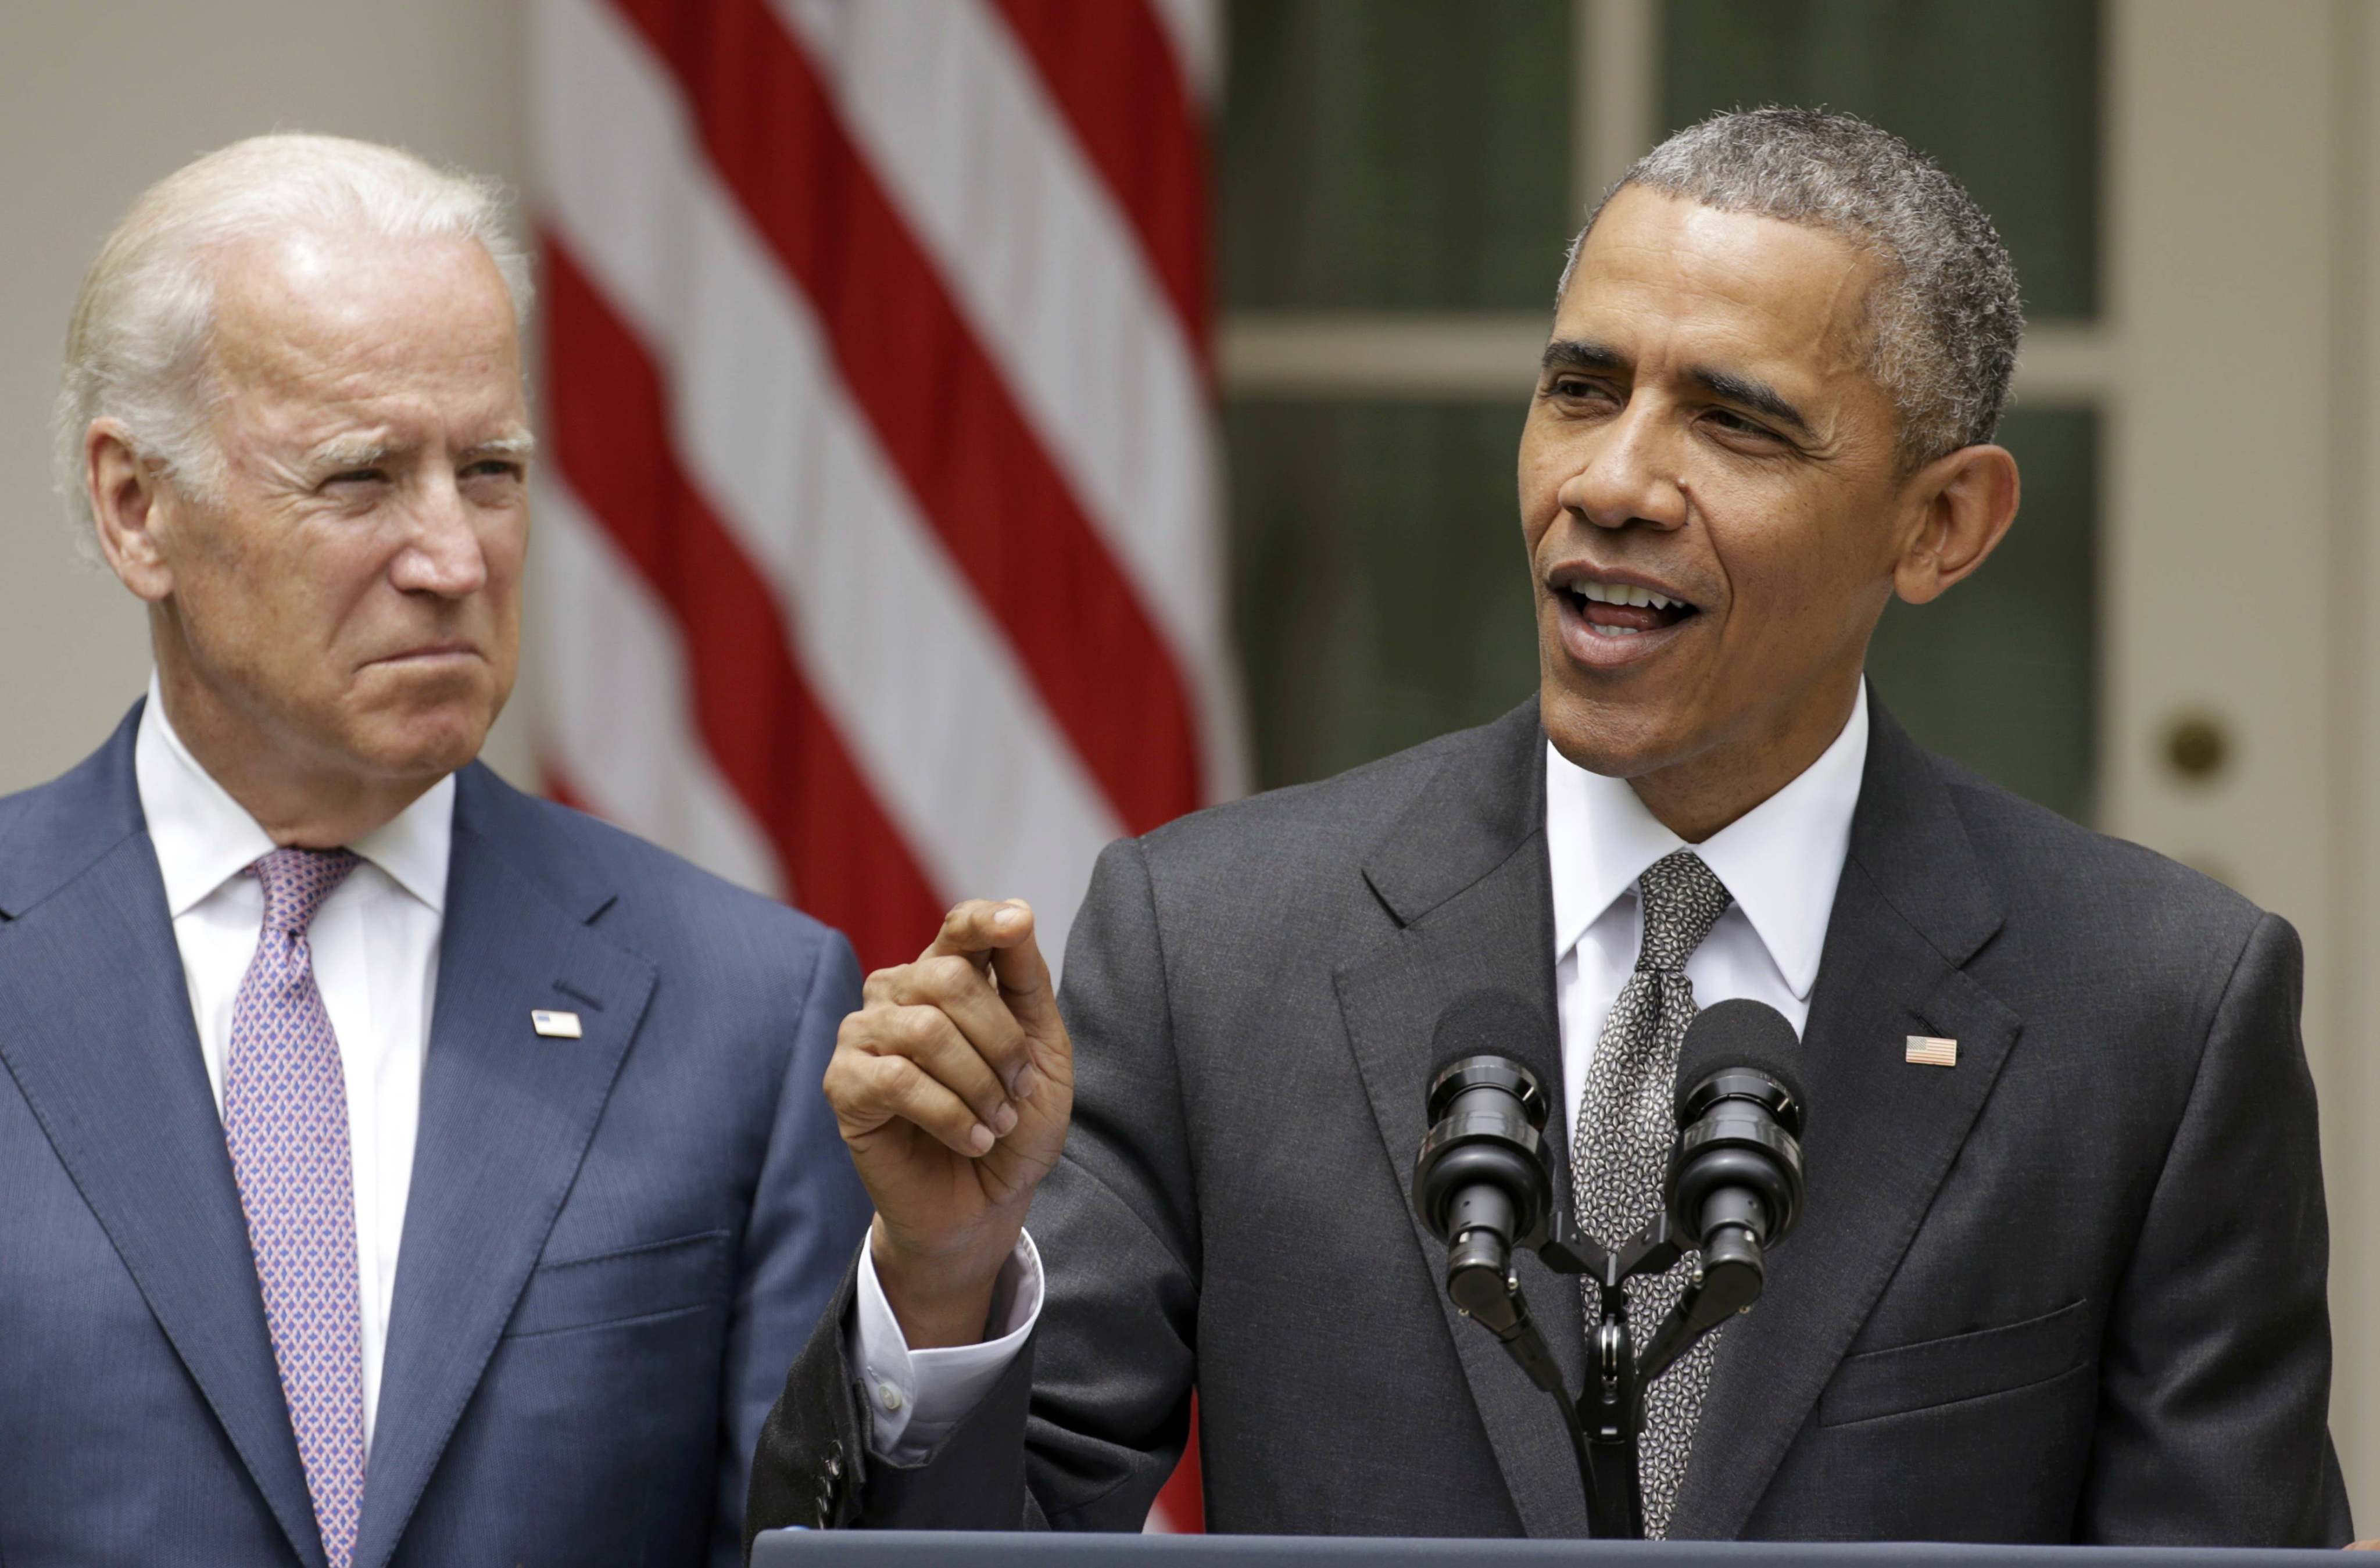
(980, 925)
(1024, 976)
(870, 1091)
(927, 1036)
(970, 999)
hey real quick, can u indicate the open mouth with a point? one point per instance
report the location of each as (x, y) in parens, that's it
(1623, 610)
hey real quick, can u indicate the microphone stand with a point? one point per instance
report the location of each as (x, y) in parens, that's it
(1607, 1418)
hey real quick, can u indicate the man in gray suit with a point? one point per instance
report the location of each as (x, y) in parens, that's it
(2060, 1273)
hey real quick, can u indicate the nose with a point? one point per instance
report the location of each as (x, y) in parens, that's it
(443, 554)
(1628, 472)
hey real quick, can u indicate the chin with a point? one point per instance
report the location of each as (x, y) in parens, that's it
(1619, 740)
(425, 746)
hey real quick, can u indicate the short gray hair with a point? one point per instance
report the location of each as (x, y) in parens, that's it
(138, 349)
(1945, 317)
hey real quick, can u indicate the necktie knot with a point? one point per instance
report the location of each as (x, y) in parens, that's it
(296, 882)
(1684, 899)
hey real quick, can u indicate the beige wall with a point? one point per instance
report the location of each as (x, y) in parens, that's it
(98, 98)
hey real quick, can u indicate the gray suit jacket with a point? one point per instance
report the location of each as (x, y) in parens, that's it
(2071, 1289)
(612, 1243)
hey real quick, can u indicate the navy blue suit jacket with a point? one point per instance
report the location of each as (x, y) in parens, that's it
(613, 1247)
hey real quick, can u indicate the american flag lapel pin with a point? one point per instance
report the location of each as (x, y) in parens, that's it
(565, 1026)
(1927, 1050)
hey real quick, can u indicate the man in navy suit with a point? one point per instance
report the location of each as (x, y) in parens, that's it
(396, 1168)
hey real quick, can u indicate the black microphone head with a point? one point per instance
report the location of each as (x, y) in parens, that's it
(1741, 1033)
(1486, 1108)
(1485, 1023)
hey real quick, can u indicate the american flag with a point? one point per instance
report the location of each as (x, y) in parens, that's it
(879, 560)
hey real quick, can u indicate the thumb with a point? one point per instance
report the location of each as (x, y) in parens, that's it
(999, 936)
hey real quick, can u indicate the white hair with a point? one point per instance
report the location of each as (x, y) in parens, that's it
(137, 350)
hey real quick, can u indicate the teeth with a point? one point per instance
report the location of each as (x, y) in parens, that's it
(1623, 593)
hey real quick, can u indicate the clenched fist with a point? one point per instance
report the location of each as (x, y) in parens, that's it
(952, 1086)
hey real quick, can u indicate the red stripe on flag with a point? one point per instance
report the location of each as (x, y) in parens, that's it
(1182, 1503)
(1111, 71)
(843, 858)
(948, 422)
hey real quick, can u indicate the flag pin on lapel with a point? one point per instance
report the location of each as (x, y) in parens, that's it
(1925, 1051)
(565, 1026)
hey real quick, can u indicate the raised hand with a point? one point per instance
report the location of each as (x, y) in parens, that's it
(952, 1086)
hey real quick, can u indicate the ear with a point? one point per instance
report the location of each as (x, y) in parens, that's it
(132, 507)
(1964, 502)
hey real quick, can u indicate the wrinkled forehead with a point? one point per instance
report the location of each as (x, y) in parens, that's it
(1676, 279)
(333, 320)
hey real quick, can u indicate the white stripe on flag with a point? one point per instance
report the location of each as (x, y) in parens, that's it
(1195, 30)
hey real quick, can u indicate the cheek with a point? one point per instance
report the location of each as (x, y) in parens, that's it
(504, 548)
(504, 542)
(1797, 576)
(1543, 470)
(238, 580)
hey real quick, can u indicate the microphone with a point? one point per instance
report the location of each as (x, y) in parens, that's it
(1483, 1179)
(1735, 1176)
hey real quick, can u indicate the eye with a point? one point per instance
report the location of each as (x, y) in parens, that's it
(494, 467)
(1735, 424)
(356, 476)
(1579, 389)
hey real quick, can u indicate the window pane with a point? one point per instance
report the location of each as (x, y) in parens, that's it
(1395, 154)
(2005, 95)
(2002, 671)
(1380, 589)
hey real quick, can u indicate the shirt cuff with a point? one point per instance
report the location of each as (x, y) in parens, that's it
(916, 1396)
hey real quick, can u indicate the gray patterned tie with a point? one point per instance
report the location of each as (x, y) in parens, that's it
(1627, 1120)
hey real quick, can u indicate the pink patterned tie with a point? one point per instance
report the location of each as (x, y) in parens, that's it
(285, 1119)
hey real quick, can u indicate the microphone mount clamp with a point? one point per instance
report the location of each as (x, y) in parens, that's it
(1607, 1416)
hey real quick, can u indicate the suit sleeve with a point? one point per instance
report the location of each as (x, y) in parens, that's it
(2216, 1370)
(808, 1215)
(1084, 1426)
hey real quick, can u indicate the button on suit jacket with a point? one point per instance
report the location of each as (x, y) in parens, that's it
(612, 1245)
(2071, 1289)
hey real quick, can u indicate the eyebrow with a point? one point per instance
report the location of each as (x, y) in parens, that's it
(521, 448)
(370, 451)
(1579, 354)
(349, 452)
(1753, 395)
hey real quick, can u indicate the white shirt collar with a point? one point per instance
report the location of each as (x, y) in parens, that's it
(1782, 859)
(204, 838)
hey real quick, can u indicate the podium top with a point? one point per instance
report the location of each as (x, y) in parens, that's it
(955, 1549)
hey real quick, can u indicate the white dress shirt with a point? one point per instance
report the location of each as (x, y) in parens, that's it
(375, 946)
(1780, 861)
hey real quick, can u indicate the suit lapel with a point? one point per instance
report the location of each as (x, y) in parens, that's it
(1912, 907)
(506, 1117)
(113, 1070)
(1464, 873)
